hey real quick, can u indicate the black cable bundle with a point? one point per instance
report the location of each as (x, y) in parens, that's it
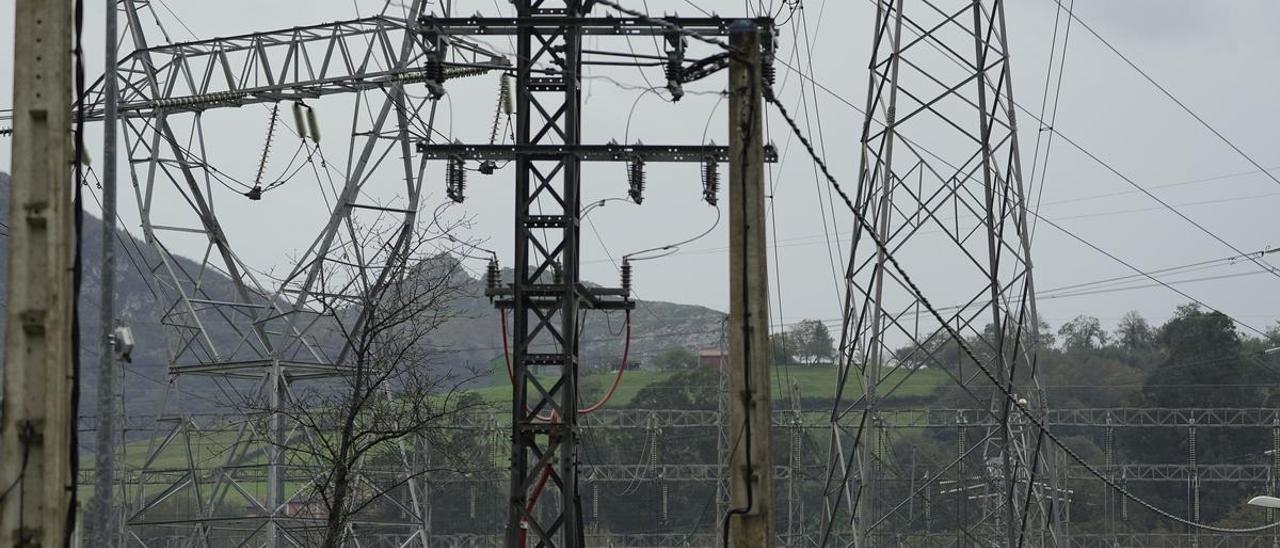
(76, 273)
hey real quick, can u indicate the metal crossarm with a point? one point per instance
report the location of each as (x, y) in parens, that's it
(585, 153)
(561, 19)
(294, 64)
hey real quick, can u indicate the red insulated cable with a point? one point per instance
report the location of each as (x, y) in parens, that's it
(533, 501)
(546, 470)
(617, 378)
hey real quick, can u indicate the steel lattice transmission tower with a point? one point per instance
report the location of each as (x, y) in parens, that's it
(941, 186)
(257, 339)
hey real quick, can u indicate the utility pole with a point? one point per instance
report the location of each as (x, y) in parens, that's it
(36, 423)
(101, 523)
(751, 461)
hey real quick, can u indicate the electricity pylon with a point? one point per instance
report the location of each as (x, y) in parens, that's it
(253, 337)
(940, 186)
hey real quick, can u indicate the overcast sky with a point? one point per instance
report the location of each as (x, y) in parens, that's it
(1217, 57)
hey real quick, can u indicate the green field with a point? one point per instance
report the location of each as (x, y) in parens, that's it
(812, 383)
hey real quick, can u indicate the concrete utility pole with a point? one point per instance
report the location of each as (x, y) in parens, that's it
(35, 429)
(751, 460)
(102, 525)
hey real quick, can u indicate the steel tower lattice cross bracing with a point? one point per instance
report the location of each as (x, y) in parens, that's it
(544, 453)
(941, 187)
(256, 337)
(167, 91)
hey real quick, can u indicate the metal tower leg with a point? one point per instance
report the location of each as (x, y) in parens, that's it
(545, 288)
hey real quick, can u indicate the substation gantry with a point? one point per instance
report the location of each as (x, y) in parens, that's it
(547, 293)
(168, 91)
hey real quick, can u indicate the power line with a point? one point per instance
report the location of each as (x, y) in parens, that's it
(1096, 159)
(1165, 91)
(1057, 97)
(1261, 264)
(827, 204)
(799, 241)
(1209, 179)
(1011, 399)
(1153, 278)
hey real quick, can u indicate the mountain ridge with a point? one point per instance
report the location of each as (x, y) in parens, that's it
(471, 339)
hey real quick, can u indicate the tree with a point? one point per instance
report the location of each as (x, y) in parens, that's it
(1083, 333)
(1045, 336)
(782, 348)
(1273, 335)
(675, 357)
(1134, 334)
(1204, 364)
(359, 431)
(812, 341)
(693, 389)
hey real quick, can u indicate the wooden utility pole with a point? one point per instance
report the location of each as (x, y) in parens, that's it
(751, 459)
(36, 422)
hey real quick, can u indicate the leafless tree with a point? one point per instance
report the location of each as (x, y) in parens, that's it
(358, 435)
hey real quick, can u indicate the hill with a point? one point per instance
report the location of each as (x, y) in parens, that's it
(472, 337)
(138, 304)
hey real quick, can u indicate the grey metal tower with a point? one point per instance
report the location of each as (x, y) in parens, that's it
(253, 337)
(941, 186)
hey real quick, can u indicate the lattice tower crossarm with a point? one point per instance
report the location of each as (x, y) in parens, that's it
(294, 64)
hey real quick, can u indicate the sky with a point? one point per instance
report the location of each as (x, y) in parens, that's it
(1216, 58)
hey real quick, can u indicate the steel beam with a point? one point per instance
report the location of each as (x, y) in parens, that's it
(547, 22)
(292, 64)
(585, 153)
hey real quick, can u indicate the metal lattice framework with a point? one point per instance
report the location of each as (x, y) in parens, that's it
(941, 184)
(939, 154)
(1105, 427)
(255, 337)
(675, 540)
(621, 419)
(268, 67)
